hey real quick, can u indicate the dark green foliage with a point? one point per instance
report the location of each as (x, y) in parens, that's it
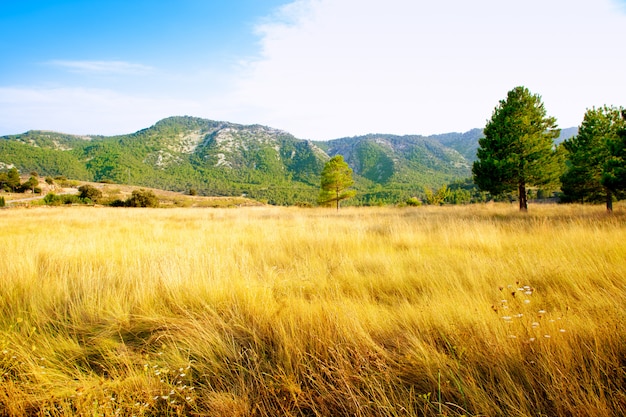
(4, 177)
(142, 198)
(591, 164)
(89, 192)
(518, 148)
(2, 201)
(336, 179)
(226, 159)
(52, 199)
(465, 191)
(31, 184)
(614, 176)
(13, 179)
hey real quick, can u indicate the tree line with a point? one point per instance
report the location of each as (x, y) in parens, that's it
(517, 155)
(518, 151)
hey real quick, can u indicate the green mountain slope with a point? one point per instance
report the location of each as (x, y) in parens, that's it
(222, 158)
(179, 153)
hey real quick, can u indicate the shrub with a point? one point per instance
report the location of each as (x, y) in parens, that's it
(51, 199)
(118, 203)
(2, 202)
(142, 198)
(89, 192)
(413, 202)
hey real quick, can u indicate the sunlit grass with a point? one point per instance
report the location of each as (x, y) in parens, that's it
(476, 310)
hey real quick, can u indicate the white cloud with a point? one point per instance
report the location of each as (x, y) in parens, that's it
(330, 68)
(84, 110)
(102, 67)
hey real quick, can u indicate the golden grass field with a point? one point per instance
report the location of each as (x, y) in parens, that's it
(430, 311)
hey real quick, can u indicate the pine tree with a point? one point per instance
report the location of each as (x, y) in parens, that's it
(13, 179)
(614, 175)
(336, 181)
(518, 148)
(587, 156)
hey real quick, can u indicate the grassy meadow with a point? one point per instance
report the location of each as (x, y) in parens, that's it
(430, 311)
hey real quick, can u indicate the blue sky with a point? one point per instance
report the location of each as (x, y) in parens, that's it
(319, 69)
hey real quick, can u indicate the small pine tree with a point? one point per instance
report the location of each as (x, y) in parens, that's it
(336, 179)
(13, 179)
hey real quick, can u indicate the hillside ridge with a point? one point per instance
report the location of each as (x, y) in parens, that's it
(221, 158)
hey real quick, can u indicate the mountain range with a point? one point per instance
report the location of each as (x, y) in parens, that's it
(209, 157)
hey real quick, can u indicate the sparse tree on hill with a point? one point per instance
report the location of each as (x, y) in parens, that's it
(89, 192)
(518, 148)
(336, 181)
(13, 179)
(3, 180)
(32, 184)
(143, 198)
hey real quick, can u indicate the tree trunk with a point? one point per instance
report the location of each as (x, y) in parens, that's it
(523, 203)
(609, 202)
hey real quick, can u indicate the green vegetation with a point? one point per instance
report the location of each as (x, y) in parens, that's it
(89, 193)
(335, 183)
(588, 154)
(518, 159)
(142, 198)
(518, 147)
(51, 199)
(226, 159)
(11, 181)
(614, 176)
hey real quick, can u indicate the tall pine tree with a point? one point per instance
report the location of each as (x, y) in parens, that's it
(518, 148)
(588, 154)
(614, 175)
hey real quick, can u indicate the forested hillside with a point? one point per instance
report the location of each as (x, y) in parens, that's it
(222, 158)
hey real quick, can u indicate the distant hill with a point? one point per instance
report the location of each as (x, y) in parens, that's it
(385, 159)
(227, 159)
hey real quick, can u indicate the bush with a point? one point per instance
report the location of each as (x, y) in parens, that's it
(52, 199)
(142, 198)
(414, 202)
(118, 203)
(89, 192)
(2, 202)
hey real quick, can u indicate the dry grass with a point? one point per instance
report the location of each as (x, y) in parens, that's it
(303, 312)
